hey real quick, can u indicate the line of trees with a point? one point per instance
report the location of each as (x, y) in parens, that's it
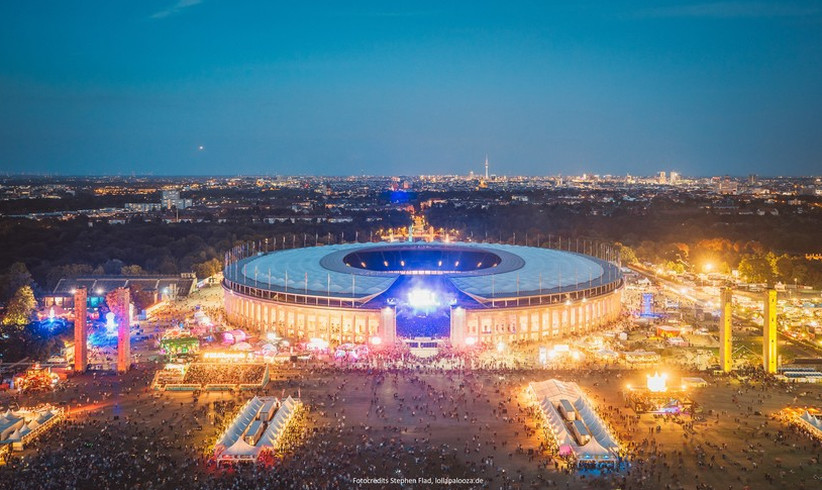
(681, 237)
(21, 336)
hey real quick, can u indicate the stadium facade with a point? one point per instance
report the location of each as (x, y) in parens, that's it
(469, 292)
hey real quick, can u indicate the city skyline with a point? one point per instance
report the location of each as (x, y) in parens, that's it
(198, 87)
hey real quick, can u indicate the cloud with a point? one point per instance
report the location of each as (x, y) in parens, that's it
(175, 9)
(722, 10)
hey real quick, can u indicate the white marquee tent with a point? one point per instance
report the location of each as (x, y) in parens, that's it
(600, 448)
(233, 446)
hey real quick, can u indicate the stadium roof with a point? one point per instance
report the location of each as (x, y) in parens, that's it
(520, 271)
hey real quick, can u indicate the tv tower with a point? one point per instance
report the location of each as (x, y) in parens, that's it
(486, 166)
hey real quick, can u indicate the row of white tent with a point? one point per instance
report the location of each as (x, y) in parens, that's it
(600, 448)
(813, 423)
(232, 447)
(18, 426)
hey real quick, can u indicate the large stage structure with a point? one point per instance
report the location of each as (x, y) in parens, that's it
(468, 292)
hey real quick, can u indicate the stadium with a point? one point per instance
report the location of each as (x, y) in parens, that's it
(378, 292)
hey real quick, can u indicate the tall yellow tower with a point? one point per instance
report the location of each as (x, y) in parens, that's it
(725, 335)
(769, 345)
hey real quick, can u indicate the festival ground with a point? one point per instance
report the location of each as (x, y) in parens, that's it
(413, 424)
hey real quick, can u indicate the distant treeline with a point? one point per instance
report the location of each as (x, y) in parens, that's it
(52, 249)
(769, 248)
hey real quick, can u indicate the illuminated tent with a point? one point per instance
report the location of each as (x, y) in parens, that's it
(813, 422)
(277, 426)
(10, 425)
(232, 447)
(600, 448)
(240, 451)
(564, 440)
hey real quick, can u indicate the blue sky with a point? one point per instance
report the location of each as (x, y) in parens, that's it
(115, 87)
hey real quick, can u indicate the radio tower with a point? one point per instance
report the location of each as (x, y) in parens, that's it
(486, 166)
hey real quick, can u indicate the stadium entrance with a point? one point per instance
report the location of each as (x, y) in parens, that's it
(412, 322)
(423, 306)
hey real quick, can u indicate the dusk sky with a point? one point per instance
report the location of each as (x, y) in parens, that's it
(343, 88)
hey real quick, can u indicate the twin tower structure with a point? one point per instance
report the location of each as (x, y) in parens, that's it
(769, 340)
(118, 302)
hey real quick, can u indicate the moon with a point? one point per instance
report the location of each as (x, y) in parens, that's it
(200, 147)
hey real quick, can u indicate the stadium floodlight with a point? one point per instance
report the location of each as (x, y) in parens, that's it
(422, 298)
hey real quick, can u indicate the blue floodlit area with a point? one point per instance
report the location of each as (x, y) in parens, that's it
(52, 322)
(105, 335)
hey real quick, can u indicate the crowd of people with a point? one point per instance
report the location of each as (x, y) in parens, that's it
(461, 415)
(226, 373)
(401, 422)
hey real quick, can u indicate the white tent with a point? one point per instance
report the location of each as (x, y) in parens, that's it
(232, 447)
(16, 435)
(596, 426)
(602, 447)
(240, 451)
(557, 425)
(13, 424)
(278, 424)
(813, 421)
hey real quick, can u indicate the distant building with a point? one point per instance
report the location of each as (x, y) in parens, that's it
(674, 177)
(144, 207)
(162, 287)
(727, 186)
(171, 199)
(808, 190)
(662, 179)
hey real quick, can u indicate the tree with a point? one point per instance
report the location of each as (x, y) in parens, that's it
(676, 267)
(16, 277)
(627, 254)
(20, 307)
(756, 268)
(69, 270)
(114, 305)
(208, 268)
(167, 266)
(784, 268)
(132, 270)
(113, 266)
